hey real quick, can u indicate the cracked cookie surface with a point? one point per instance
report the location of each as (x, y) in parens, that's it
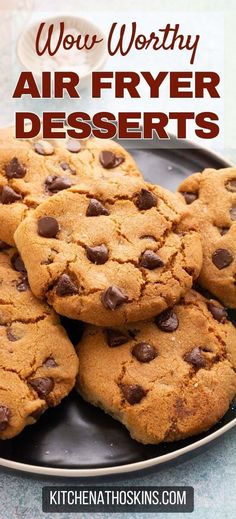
(210, 199)
(109, 252)
(32, 170)
(165, 379)
(38, 363)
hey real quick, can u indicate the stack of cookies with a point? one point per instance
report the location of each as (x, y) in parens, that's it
(84, 236)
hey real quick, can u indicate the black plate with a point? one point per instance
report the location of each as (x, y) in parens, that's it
(75, 435)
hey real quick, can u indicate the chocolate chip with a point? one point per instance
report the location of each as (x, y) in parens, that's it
(231, 185)
(109, 160)
(4, 246)
(133, 393)
(73, 145)
(22, 285)
(148, 237)
(219, 313)
(167, 321)
(9, 196)
(189, 197)
(233, 213)
(222, 258)
(66, 167)
(5, 414)
(18, 263)
(150, 260)
(145, 200)
(44, 148)
(65, 286)
(195, 358)
(50, 363)
(42, 386)
(55, 184)
(15, 169)
(95, 208)
(48, 227)
(116, 337)
(11, 336)
(98, 254)
(224, 230)
(113, 297)
(144, 352)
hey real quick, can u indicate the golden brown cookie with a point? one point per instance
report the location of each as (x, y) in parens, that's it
(109, 252)
(210, 199)
(33, 170)
(164, 379)
(38, 364)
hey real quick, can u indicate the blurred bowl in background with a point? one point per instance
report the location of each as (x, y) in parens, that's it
(83, 62)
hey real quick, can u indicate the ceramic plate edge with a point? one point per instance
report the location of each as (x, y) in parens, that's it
(120, 469)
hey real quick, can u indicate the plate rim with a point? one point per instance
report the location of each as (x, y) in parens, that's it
(139, 465)
(119, 469)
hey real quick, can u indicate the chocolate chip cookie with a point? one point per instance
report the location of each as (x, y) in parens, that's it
(210, 199)
(164, 379)
(109, 252)
(38, 364)
(33, 170)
